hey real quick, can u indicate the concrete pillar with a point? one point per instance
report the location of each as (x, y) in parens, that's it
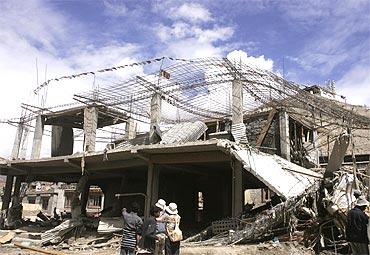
(60, 199)
(17, 189)
(17, 141)
(24, 143)
(102, 202)
(130, 129)
(37, 137)
(155, 112)
(284, 134)
(90, 126)
(151, 188)
(237, 102)
(84, 199)
(237, 193)
(8, 192)
(61, 141)
(315, 141)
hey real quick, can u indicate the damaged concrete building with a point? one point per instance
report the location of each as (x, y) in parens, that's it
(217, 132)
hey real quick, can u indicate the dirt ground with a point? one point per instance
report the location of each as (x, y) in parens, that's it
(287, 248)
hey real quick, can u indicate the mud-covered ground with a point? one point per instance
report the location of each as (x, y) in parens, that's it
(288, 248)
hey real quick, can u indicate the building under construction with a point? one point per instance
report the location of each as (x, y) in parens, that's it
(218, 134)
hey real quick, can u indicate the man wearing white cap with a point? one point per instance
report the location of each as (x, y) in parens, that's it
(356, 229)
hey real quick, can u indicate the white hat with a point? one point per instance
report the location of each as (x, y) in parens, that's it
(361, 201)
(172, 208)
(161, 204)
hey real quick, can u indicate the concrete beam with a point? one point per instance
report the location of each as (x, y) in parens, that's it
(192, 157)
(90, 125)
(37, 137)
(284, 134)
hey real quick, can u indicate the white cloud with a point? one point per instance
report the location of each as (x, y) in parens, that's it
(33, 30)
(333, 29)
(115, 8)
(192, 12)
(354, 84)
(259, 62)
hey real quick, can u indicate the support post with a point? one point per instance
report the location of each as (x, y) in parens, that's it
(284, 134)
(130, 129)
(37, 137)
(155, 113)
(84, 198)
(237, 188)
(17, 189)
(151, 187)
(61, 141)
(237, 103)
(8, 192)
(17, 141)
(238, 129)
(315, 141)
(90, 126)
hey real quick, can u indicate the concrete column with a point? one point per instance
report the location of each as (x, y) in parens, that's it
(151, 188)
(237, 102)
(17, 189)
(284, 134)
(61, 141)
(237, 193)
(130, 129)
(24, 143)
(17, 141)
(90, 126)
(84, 199)
(102, 202)
(7, 193)
(316, 147)
(155, 112)
(60, 199)
(37, 137)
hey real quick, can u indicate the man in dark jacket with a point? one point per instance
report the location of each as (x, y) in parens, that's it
(356, 229)
(148, 235)
(132, 227)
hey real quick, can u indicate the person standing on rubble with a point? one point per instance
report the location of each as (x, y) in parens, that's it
(149, 233)
(131, 229)
(356, 229)
(174, 234)
(161, 227)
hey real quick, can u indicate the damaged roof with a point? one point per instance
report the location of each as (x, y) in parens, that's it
(283, 177)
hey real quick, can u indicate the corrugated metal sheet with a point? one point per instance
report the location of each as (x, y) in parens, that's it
(184, 132)
(281, 176)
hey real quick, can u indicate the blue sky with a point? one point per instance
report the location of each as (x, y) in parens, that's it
(318, 40)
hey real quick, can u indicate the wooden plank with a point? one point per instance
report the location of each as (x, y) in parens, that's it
(264, 130)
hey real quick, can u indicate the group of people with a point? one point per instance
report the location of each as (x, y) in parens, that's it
(158, 233)
(357, 226)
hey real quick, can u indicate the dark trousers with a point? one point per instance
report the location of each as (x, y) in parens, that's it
(172, 248)
(126, 251)
(359, 248)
